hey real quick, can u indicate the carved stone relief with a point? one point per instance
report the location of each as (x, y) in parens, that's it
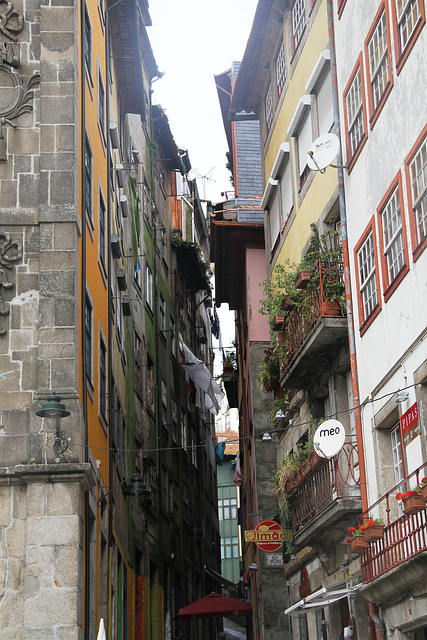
(10, 252)
(16, 94)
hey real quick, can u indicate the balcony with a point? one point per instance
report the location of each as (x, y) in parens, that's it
(324, 497)
(397, 561)
(312, 332)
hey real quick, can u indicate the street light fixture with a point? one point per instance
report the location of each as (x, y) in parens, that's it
(136, 487)
(53, 409)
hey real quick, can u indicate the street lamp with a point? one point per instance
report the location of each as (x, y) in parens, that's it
(136, 487)
(53, 409)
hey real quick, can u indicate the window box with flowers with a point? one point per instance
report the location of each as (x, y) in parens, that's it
(374, 530)
(423, 489)
(412, 501)
(356, 539)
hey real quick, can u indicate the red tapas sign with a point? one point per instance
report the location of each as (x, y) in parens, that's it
(410, 425)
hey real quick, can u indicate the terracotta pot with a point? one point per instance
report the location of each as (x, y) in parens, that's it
(227, 370)
(376, 532)
(358, 543)
(302, 279)
(288, 303)
(413, 504)
(271, 384)
(424, 492)
(330, 308)
(278, 323)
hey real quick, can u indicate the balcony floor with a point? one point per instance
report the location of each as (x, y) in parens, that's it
(331, 523)
(327, 337)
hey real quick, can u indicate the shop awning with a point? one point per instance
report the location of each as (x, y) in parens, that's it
(215, 606)
(322, 598)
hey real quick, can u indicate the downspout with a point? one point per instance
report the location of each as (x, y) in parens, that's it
(111, 415)
(346, 261)
(83, 316)
(379, 625)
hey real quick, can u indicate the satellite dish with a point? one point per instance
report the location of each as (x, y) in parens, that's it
(192, 174)
(323, 151)
(329, 438)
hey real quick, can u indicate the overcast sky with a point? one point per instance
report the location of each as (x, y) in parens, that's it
(193, 40)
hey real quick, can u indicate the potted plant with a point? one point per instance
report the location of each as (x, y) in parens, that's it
(229, 364)
(412, 501)
(423, 488)
(302, 278)
(356, 539)
(374, 530)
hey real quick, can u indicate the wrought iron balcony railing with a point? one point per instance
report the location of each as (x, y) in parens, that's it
(405, 535)
(326, 482)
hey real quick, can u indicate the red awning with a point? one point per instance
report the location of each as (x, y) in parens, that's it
(215, 606)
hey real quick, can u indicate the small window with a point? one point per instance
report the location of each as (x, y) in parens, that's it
(183, 428)
(416, 175)
(149, 286)
(87, 44)
(174, 420)
(150, 384)
(88, 336)
(88, 179)
(409, 18)
(367, 276)
(103, 378)
(393, 236)
(162, 313)
(280, 69)
(355, 114)
(172, 335)
(378, 63)
(101, 105)
(269, 110)
(304, 140)
(164, 392)
(102, 231)
(138, 373)
(396, 446)
(298, 16)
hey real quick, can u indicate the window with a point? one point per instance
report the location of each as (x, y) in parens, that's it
(229, 547)
(226, 508)
(269, 111)
(150, 383)
(88, 179)
(298, 22)
(416, 178)
(324, 104)
(87, 44)
(149, 286)
(88, 336)
(378, 63)
(101, 105)
(341, 4)
(172, 335)
(355, 116)
(162, 314)
(396, 447)
(103, 378)
(137, 375)
(183, 428)
(304, 140)
(392, 237)
(164, 404)
(102, 213)
(366, 273)
(174, 420)
(280, 69)
(409, 18)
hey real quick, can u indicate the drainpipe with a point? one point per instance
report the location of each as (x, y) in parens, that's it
(379, 625)
(346, 261)
(83, 315)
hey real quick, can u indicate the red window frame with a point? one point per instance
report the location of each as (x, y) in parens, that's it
(365, 322)
(375, 111)
(352, 157)
(417, 247)
(341, 5)
(401, 56)
(391, 285)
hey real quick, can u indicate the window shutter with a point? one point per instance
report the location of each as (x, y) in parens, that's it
(274, 218)
(286, 191)
(325, 110)
(304, 142)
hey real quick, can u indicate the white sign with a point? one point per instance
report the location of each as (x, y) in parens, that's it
(329, 438)
(322, 151)
(274, 559)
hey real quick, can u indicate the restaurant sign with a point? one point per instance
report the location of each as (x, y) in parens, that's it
(268, 535)
(410, 425)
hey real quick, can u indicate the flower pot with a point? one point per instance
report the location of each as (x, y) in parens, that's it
(288, 303)
(424, 492)
(331, 308)
(278, 323)
(358, 543)
(227, 370)
(302, 279)
(271, 384)
(376, 532)
(412, 504)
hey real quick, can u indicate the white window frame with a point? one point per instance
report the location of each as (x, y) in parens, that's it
(368, 275)
(280, 68)
(378, 60)
(394, 249)
(299, 19)
(408, 14)
(269, 108)
(354, 102)
(418, 179)
(149, 286)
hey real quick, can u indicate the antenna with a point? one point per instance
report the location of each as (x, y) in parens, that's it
(323, 151)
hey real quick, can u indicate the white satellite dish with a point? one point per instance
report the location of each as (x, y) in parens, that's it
(329, 438)
(192, 174)
(323, 151)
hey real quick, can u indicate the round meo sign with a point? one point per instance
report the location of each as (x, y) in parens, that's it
(269, 535)
(329, 438)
